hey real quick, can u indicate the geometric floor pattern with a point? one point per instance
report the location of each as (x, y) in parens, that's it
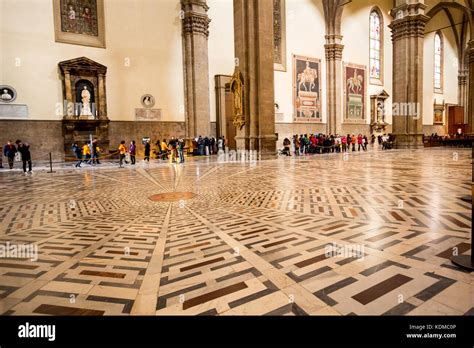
(255, 239)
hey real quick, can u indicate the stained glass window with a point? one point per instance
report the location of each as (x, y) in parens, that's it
(375, 45)
(438, 61)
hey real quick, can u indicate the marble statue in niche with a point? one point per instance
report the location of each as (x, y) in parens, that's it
(86, 102)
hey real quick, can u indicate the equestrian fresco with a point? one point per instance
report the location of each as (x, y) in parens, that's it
(355, 92)
(306, 89)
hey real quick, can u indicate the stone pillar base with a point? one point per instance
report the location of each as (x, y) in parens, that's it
(409, 141)
(265, 145)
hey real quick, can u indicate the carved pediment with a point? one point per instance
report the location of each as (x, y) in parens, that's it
(381, 95)
(82, 63)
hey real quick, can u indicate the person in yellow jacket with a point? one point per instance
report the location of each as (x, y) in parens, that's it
(164, 150)
(86, 153)
(122, 151)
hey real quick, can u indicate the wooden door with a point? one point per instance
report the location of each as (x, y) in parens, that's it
(456, 119)
(230, 128)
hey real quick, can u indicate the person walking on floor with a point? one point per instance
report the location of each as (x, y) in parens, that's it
(24, 150)
(122, 151)
(181, 150)
(359, 142)
(10, 151)
(78, 153)
(147, 151)
(95, 152)
(132, 151)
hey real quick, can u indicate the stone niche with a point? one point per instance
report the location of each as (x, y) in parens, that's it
(81, 121)
(377, 111)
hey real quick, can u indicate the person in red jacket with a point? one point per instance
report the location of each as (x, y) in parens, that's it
(359, 142)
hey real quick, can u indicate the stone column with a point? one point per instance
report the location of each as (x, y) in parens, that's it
(334, 48)
(69, 105)
(408, 30)
(463, 95)
(253, 35)
(470, 99)
(196, 67)
(102, 98)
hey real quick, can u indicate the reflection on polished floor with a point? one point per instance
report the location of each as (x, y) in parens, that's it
(244, 238)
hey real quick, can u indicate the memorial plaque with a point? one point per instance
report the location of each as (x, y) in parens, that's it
(13, 111)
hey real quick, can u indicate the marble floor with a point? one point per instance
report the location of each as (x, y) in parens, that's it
(370, 233)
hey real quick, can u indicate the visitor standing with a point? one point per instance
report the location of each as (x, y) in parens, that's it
(132, 150)
(122, 151)
(147, 151)
(78, 153)
(10, 151)
(86, 152)
(24, 150)
(181, 150)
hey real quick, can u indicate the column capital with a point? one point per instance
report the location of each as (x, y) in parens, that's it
(409, 26)
(333, 51)
(463, 76)
(194, 23)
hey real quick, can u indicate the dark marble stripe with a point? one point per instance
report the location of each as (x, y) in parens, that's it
(436, 288)
(455, 221)
(251, 297)
(388, 245)
(415, 251)
(310, 261)
(127, 303)
(382, 288)
(323, 293)
(381, 266)
(470, 312)
(102, 274)
(211, 312)
(400, 309)
(380, 236)
(462, 247)
(6, 290)
(213, 295)
(252, 270)
(279, 242)
(61, 310)
(201, 264)
(135, 285)
(17, 265)
(308, 275)
(194, 246)
(49, 293)
(166, 280)
(162, 299)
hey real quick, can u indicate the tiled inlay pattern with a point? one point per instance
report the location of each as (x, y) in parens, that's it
(252, 240)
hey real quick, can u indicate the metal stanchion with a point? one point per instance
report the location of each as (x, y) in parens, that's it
(50, 163)
(467, 261)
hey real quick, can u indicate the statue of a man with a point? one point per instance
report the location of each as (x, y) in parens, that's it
(86, 97)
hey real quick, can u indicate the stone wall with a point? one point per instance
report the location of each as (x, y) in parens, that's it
(46, 136)
(43, 136)
(135, 130)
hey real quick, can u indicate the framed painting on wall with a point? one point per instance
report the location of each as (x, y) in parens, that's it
(355, 93)
(79, 22)
(306, 89)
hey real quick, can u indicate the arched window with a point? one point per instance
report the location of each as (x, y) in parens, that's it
(376, 46)
(438, 62)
